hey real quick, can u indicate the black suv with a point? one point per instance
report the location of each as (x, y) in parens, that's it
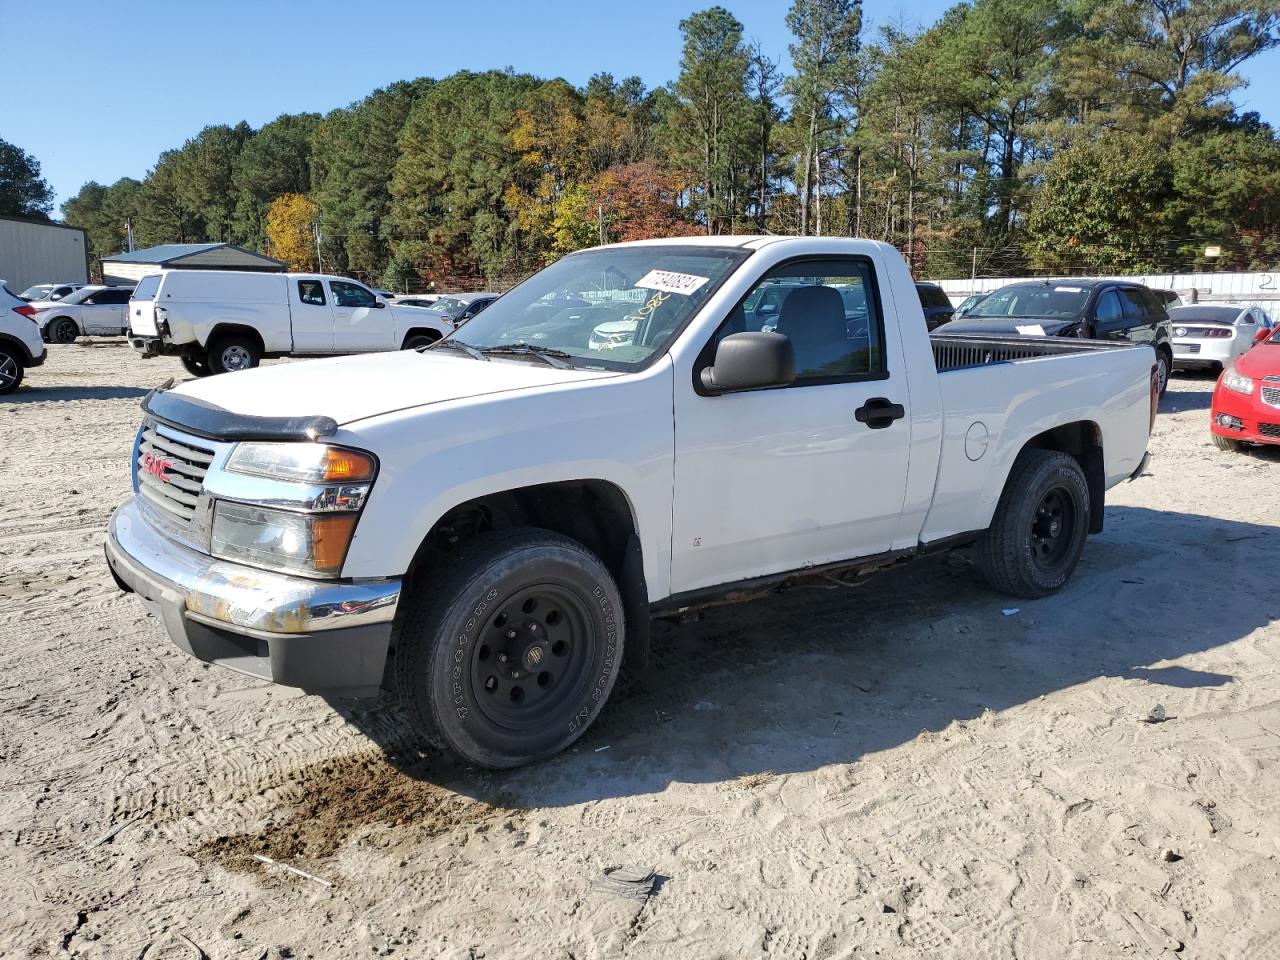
(936, 304)
(1094, 309)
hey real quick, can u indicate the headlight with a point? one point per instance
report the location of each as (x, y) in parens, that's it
(1237, 382)
(312, 544)
(305, 462)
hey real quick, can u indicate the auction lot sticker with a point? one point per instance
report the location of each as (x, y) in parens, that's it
(668, 281)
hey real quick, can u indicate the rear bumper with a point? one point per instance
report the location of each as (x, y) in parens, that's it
(322, 636)
(1202, 353)
(153, 346)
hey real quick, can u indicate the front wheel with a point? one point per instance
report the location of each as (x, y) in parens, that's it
(1225, 443)
(1039, 528)
(11, 369)
(231, 352)
(1163, 364)
(509, 653)
(416, 341)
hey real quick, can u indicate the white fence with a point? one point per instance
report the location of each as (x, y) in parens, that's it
(1246, 289)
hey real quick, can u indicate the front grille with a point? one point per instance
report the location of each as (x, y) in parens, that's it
(1270, 430)
(171, 471)
(1270, 394)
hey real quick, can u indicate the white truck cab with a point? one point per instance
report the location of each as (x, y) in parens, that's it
(488, 526)
(219, 321)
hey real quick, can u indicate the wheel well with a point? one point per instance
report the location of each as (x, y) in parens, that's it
(430, 334)
(1082, 440)
(15, 344)
(222, 329)
(596, 513)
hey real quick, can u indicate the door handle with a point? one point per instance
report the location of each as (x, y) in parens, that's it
(879, 412)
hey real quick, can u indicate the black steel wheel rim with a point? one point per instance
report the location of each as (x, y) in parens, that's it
(8, 370)
(532, 660)
(1162, 372)
(65, 331)
(1053, 528)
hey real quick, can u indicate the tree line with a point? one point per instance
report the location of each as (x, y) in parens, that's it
(1011, 136)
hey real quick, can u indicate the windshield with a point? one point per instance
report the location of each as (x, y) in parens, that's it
(37, 292)
(449, 305)
(146, 288)
(1041, 300)
(651, 292)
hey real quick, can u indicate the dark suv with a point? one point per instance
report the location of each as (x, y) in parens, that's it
(936, 304)
(1094, 309)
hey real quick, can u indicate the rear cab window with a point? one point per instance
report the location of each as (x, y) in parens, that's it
(311, 292)
(147, 287)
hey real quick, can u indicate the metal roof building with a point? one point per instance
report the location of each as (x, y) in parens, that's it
(36, 251)
(129, 268)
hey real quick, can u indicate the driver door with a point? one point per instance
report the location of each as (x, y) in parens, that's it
(782, 478)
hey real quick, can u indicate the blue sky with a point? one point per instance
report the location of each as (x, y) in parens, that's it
(104, 92)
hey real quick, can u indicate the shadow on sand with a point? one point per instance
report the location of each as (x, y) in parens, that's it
(819, 676)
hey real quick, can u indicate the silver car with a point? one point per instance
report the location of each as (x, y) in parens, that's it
(1212, 335)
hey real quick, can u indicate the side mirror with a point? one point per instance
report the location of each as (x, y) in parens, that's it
(378, 304)
(749, 361)
(1261, 335)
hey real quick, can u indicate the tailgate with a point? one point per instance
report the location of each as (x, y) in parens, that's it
(142, 307)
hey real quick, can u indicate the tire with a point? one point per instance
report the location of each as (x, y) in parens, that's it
(231, 352)
(417, 340)
(1164, 365)
(448, 668)
(195, 365)
(1225, 443)
(1039, 528)
(11, 369)
(63, 330)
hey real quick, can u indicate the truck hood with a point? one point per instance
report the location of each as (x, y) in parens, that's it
(352, 388)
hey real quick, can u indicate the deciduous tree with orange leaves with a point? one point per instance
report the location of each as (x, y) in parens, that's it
(289, 230)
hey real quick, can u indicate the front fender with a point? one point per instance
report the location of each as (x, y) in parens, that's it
(619, 431)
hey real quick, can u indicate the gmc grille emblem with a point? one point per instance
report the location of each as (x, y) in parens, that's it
(156, 466)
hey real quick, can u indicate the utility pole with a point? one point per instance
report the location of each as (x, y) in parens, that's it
(600, 221)
(973, 272)
(319, 265)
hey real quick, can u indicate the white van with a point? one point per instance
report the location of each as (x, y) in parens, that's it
(218, 321)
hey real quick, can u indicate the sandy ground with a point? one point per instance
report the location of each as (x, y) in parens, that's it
(912, 768)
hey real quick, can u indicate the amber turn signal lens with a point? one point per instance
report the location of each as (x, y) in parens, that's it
(330, 537)
(343, 465)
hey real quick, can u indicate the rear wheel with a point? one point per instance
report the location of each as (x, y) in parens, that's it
(1039, 528)
(508, 654)
(11, 369)
(1225, 443)
(64, 330)
(195, 365)
(233, 351)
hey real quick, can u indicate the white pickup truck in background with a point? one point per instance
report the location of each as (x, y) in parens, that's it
(487, 526)
(219, 321)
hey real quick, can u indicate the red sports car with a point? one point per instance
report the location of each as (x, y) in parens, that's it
(1246, 401)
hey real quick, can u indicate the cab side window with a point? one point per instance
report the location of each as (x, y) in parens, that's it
(351, 295)
(830, 311)
(1108, 308)
(1131, 301)
(311, 292)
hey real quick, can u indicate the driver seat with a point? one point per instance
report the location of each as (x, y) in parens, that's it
(813, 317)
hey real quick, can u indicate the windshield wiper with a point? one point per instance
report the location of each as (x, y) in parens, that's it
(555, 358)
(466, 348)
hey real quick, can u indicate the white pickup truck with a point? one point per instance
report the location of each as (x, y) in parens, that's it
(218, 321)
(487, 526)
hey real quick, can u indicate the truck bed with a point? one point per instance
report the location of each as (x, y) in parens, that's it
(958, 352)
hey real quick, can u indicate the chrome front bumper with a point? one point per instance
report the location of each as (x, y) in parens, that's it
(323, 636)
